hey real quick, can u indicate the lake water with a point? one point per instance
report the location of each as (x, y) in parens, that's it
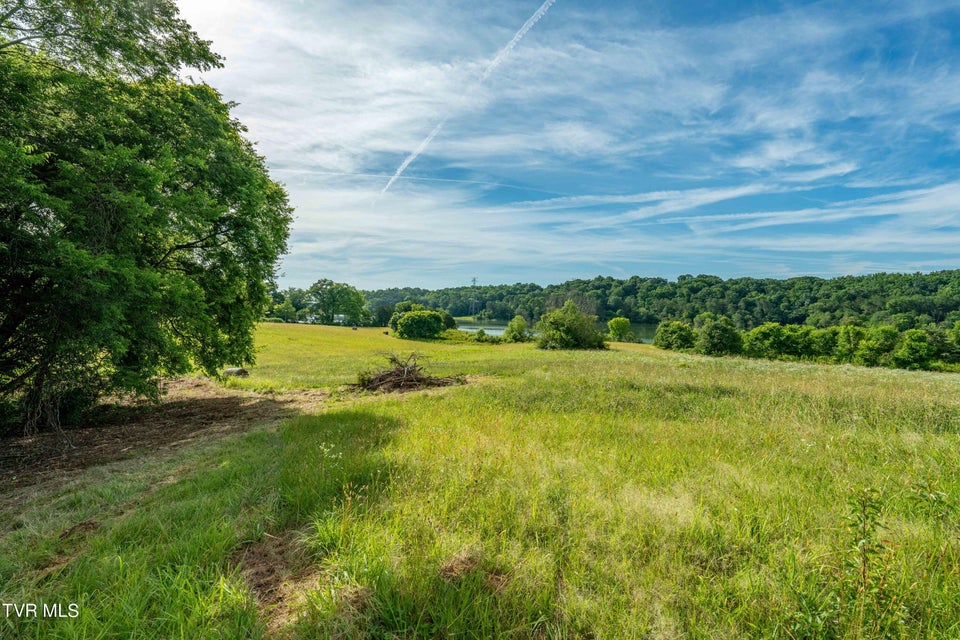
(491, 329)
(643, 332)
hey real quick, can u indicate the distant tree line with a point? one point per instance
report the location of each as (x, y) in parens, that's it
(903, 301)
(930, 347)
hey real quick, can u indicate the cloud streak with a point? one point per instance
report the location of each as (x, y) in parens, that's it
(653, 138)
(500, 57)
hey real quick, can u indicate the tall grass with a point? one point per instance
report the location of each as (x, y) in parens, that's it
(621, 494)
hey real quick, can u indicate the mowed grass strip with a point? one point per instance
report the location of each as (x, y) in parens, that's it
(619, 494)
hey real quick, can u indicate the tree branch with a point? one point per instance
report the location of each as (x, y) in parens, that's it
(9, 14)
(72, 33)
(195, 244)
(14, 383)
(11, 43)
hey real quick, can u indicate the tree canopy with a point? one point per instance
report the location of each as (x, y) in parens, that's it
(903, 300)
(138, 228)
(328, 299)
(135, 38)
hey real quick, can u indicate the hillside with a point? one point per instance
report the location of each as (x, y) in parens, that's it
(626, 493)
(904, 300)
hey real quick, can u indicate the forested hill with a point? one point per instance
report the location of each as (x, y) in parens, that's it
(902, 300)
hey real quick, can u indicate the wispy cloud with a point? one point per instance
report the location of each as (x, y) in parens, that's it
(783, 139)
(501, 55)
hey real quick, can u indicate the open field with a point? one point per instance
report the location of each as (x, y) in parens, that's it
(622, 494)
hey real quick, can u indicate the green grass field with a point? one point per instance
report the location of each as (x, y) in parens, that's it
(631, 493)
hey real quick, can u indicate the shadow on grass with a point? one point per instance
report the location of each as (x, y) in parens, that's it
(111, 433)
(331, 463)
(329, 458)
(373, 567)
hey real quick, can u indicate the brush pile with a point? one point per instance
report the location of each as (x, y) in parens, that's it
(403, 375)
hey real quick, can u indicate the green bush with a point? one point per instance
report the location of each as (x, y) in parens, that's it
(874, 350)
(823, 342)
(420, 325)
(517, 331)
(402, 308)
(719, 338)
(765, 341)
(798, 341)
(914, 351)
(674, 335)
(619, 329)
(950, 351)
(405, 307)
(569, 328)
(849, 338)
(448, 320)
(482, 336)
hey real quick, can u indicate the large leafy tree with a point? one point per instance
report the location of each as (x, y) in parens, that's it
(136, 38)
(329, 299)
(137, 226)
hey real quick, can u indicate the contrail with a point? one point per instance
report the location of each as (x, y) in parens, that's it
(503, 53)
(416, 152)
(534, 19)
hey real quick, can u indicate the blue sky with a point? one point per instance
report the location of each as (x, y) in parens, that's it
(607, 138)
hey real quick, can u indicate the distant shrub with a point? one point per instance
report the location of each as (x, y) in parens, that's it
(277, 320)
(765, 341)
(883, 346)
(849, 338)
(674, 335)
(823, 342)
(798, 341)
(402, 308)
(569, 328)
(719, 338)
(420, 325)
(517, 331)
(914, 351)
(619, 329)
(702, 318)
(874, 350)
(950, 351)
(483, 336)
(448, 321)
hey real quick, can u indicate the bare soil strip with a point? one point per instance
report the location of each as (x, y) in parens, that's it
(191, 409)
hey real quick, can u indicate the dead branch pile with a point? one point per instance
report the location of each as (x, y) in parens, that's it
(404, 374)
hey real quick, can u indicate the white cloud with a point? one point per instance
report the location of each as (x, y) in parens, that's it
(720, 139)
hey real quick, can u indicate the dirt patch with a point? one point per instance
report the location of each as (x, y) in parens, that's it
(496, 581)
(86, 526)
(460, 565)
(279, 575)
(468, 561)
(191, 409)
(53, 565)
(265, 565)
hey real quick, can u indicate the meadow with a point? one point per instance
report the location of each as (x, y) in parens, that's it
(627, 493)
